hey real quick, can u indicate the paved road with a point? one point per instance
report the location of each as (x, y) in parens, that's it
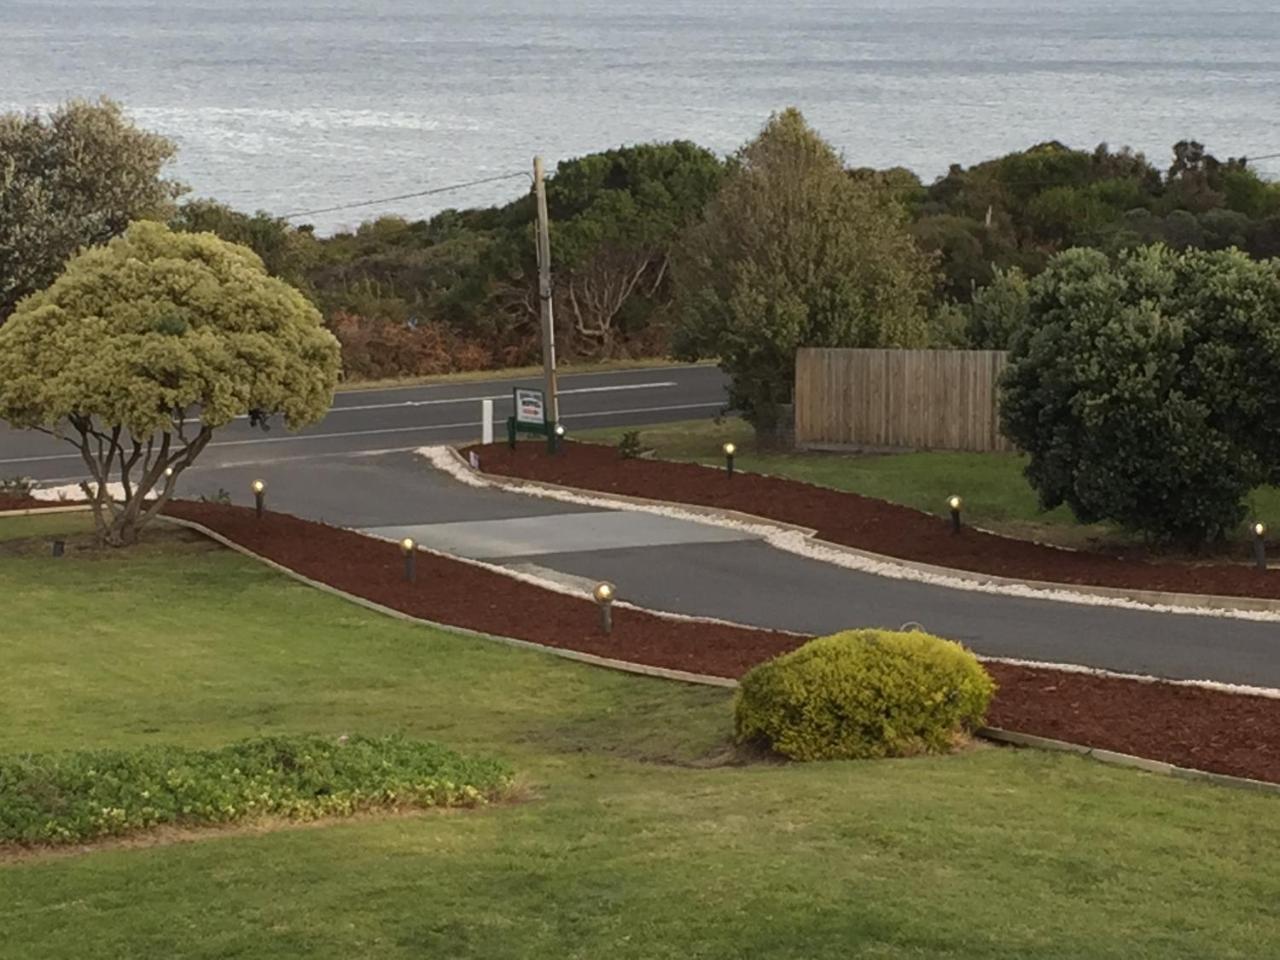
(334, 473)
(699, 569)
(407, 417)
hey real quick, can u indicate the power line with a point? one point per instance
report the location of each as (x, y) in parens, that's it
(403, 196)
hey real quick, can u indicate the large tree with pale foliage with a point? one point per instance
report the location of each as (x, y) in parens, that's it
(794, 252)
(144, 347)
(72, 179)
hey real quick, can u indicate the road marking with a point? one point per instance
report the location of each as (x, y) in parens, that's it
(302, 438)
(495, 396)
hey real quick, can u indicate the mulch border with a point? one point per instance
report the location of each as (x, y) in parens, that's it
(1053, 703)
(882, 530)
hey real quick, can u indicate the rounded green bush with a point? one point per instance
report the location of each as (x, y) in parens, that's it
(862, 694)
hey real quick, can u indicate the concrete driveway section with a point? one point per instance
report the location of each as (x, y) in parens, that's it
(404, 418)
(559, 534)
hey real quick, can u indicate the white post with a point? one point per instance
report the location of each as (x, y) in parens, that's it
(486, 420)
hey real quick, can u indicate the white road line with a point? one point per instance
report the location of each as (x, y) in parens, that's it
(303, 438)
(494, 396)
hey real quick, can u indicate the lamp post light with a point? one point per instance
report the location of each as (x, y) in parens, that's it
(729, 450)
(410, 551)
(955, 503)
(259, 497)
(604, 594)
(1259, 545)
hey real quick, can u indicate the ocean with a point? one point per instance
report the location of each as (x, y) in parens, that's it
(296, 105)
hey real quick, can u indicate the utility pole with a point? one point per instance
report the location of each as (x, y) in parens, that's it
(544, 295)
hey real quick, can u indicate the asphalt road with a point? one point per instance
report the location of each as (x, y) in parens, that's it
(404, 418)
(695, 569)
(355, 469)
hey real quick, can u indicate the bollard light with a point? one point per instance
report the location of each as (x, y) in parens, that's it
(410, 551)
(955, 503)
(729, 450)
(259, 497)
(604, 594)
(168, 471)
(1260, 545)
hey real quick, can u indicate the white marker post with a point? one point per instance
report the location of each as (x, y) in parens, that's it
(486, 420)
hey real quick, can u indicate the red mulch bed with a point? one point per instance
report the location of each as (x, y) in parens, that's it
(1187, 726)
(865, 523)
(9, 502)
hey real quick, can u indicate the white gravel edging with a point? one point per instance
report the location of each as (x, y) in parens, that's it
(801, 543)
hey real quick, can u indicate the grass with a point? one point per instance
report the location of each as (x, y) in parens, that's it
(638, 839)
(511, 373)
(47, 526)
(996, 495)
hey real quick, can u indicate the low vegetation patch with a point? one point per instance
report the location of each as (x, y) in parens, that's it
(863, 694)
(73, 797)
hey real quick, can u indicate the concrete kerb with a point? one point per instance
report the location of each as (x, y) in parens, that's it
(32, 511)
(662, 673)
(1203, 604)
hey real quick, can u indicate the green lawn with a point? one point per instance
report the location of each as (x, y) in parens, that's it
(640, 835)
(996, 495)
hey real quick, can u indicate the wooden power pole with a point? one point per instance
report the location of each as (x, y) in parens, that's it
(544, 294)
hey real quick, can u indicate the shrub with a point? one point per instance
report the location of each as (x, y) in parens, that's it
(58, 798)
(17, 486)
(630, 447)
(863, 694)
(1147, 389)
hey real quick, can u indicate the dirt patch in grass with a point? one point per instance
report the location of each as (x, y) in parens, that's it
(867, 523)
(1188, 726)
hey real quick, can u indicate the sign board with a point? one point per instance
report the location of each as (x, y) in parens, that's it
(530, 407)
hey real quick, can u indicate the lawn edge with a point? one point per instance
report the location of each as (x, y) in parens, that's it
(993, 734)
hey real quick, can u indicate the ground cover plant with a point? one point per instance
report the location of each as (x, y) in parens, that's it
(77, 796)
(643, 835)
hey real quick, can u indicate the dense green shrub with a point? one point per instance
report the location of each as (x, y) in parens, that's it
(863, 694)
(74, 797)
(1146, 389)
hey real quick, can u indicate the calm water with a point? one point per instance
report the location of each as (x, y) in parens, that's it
(296, 104)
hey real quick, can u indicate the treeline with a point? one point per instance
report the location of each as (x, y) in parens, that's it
(458, 291)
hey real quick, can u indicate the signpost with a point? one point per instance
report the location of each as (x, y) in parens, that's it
(531, 416)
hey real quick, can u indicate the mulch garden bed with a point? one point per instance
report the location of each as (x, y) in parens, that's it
(1187, 726)
(864, 522)
(10, 502)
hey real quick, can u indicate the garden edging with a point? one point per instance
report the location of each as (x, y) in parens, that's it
(803, 541)
(989, 733)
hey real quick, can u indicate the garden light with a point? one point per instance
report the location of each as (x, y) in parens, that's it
(1259, 545)
(410, 551)
(955, 503)
(168, 472)
(59, 547)
(604, 594)
(729, 450)
(259, 496)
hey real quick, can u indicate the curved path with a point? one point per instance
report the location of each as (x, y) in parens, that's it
(671, 565)
(699, 569)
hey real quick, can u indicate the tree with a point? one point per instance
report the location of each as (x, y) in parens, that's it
(794, 252)
(286, 252)
(73, 179)
(1147, 389)
(998, 310)
(144, 347)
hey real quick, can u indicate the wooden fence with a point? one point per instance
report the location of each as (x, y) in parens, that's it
(898, 399)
